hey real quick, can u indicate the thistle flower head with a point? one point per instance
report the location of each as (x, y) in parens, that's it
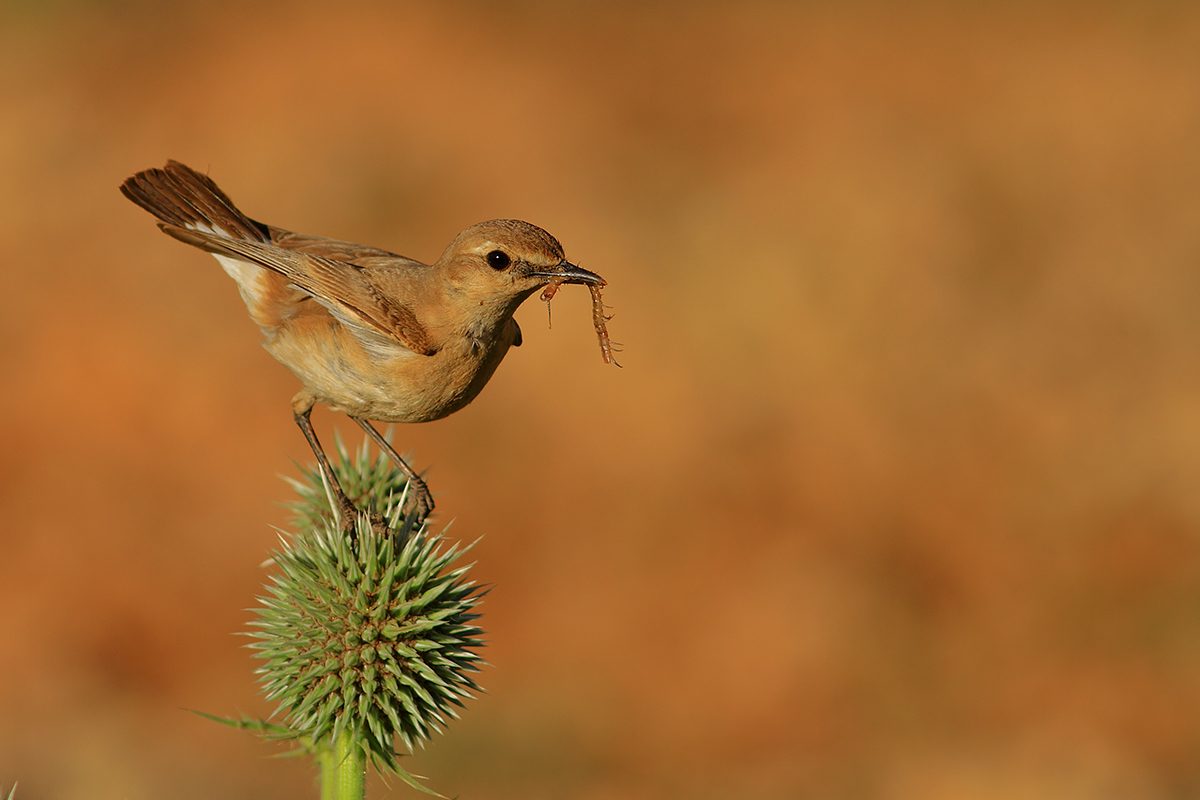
(373, 633)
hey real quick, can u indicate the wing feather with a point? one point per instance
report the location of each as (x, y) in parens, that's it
(340, 286)
(192, 208)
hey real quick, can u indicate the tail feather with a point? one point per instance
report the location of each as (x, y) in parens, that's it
(182, 198)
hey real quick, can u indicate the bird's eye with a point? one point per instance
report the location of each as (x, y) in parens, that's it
(498, 260)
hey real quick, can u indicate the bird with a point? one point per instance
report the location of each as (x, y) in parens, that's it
(370, 333)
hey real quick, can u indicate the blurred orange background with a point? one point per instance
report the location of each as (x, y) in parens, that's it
(895, 496)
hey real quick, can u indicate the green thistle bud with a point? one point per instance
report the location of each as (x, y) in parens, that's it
(372, 635)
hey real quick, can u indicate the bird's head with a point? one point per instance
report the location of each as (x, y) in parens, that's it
(501, 262)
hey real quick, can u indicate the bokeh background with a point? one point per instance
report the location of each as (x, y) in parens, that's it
(895, 496)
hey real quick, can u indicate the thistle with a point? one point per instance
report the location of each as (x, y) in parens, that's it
(370, 638)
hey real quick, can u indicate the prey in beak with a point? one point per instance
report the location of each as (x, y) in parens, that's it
(566, 272)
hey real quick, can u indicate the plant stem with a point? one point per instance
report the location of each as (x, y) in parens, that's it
(343, 769)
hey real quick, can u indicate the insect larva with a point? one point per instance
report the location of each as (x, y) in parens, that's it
(599, 318)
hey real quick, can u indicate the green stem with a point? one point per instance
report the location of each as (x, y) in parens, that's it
(343, 769)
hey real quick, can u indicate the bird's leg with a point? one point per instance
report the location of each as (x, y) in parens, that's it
(418, 492)
(348, 510)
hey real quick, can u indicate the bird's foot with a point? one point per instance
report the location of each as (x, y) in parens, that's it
(419, 502)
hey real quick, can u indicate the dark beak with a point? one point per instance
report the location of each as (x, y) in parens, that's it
(566, 272)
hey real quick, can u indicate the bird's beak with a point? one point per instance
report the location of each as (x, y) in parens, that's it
(566, 272)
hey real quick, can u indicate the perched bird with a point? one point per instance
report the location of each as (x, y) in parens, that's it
(368, 332)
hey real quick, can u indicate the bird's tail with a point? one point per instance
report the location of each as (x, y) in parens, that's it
(184, 200)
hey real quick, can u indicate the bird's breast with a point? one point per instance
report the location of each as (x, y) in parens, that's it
(387, 384)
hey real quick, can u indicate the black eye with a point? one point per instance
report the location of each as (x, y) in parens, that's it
(498, 260)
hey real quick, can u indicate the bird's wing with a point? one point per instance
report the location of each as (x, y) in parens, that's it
(360, 255)
(193, 209)
(339, 286)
